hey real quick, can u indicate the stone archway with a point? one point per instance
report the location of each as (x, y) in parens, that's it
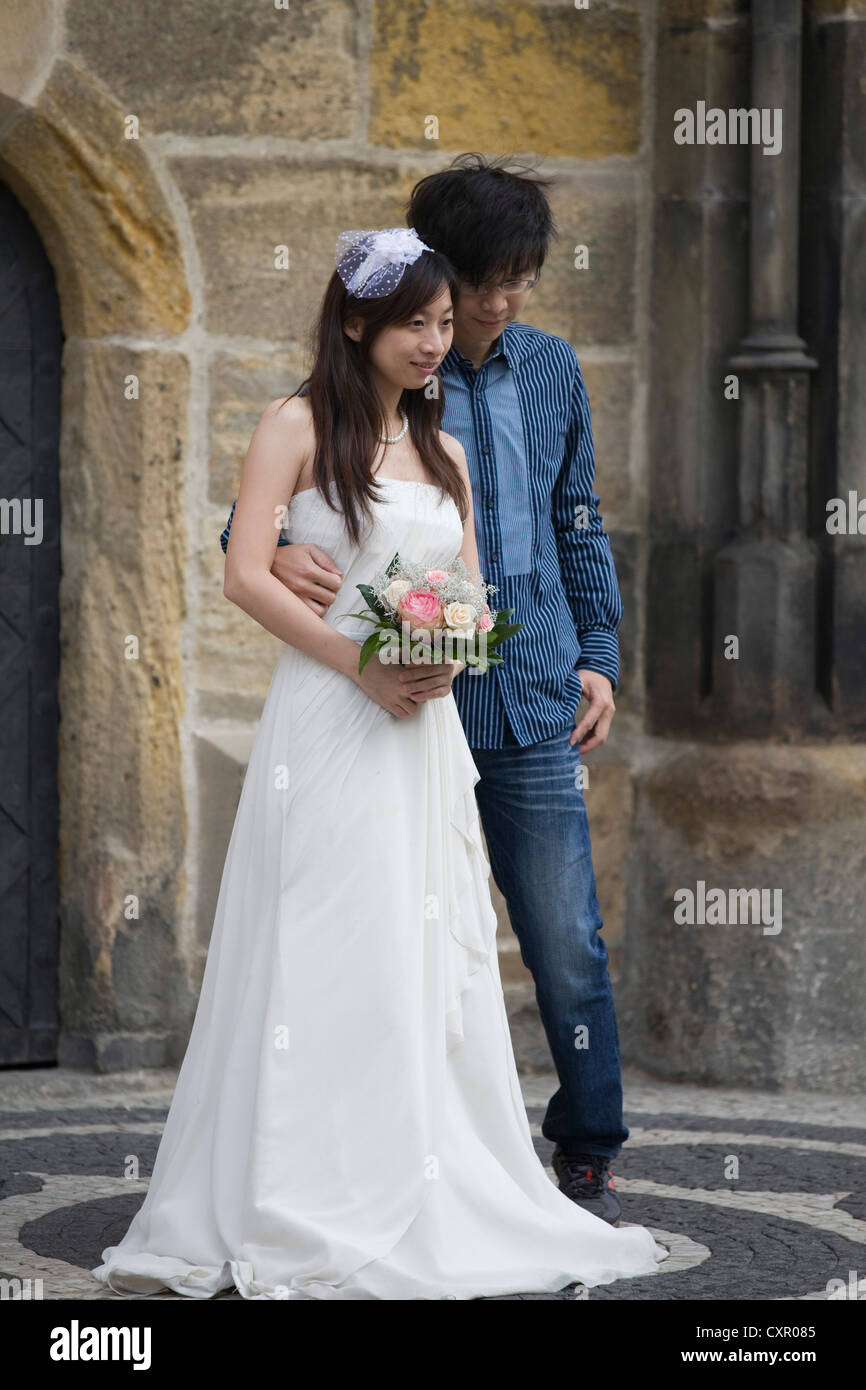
(125, 992)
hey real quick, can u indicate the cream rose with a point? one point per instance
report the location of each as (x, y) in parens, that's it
(395, 591)
(462, 616)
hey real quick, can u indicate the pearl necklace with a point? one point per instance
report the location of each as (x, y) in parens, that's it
(395, 438)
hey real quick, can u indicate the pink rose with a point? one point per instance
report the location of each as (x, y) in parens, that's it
(420, 609)
(437, 576)
(485, 622)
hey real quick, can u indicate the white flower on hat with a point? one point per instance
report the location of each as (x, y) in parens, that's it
(371, 264)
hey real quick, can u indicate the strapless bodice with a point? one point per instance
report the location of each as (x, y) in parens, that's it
(416, 519)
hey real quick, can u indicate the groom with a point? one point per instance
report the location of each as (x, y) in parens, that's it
(516, 400)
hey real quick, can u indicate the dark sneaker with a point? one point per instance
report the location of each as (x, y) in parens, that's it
(587, 1180)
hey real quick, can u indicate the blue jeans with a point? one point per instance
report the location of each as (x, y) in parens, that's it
(537, 834)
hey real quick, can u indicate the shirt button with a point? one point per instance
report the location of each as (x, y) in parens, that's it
(485, 450)
(495, 557)
(490, 504)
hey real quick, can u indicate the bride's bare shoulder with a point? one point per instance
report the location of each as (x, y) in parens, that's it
(455, 450)
(293, 412)
(283, 438)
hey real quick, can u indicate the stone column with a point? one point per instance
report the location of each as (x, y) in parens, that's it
(764, 580)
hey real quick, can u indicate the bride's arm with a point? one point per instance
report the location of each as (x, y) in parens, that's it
(469, 549)
(281, 441)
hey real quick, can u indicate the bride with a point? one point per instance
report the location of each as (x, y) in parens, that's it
(347, 1121)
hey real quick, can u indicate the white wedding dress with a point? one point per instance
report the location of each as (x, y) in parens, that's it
(347, 1121)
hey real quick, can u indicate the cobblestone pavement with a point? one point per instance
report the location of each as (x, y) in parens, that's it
(758, 1197)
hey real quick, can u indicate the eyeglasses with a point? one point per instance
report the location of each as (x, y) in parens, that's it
(507, 286)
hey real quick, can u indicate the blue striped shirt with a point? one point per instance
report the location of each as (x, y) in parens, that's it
(524, 421)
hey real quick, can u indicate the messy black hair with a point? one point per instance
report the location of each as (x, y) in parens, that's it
(488, 216)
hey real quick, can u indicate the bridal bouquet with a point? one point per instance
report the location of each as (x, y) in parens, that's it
(445, 613)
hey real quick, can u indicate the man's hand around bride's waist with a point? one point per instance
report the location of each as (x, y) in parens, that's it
(310, 573)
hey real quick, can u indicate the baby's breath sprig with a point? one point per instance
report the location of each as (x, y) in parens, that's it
(461, 586)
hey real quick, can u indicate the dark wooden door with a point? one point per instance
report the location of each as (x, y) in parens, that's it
(30, 347)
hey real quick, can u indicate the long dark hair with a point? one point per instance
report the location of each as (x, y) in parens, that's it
(348, 412)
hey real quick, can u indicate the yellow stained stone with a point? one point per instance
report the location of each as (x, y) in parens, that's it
(547, 78)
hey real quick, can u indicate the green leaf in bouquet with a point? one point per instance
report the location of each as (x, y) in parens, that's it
(371, 645)
(372, 601)
(502, 633)
(484, 663)
(365, 617)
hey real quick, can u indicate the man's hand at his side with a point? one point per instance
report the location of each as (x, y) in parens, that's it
(309, 573)
(597, 719)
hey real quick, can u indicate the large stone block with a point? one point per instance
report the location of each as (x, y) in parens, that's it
(732, 1004)
(231, 68)
(532, 76)
(594, 304)
(239, 388)
(243, 208)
